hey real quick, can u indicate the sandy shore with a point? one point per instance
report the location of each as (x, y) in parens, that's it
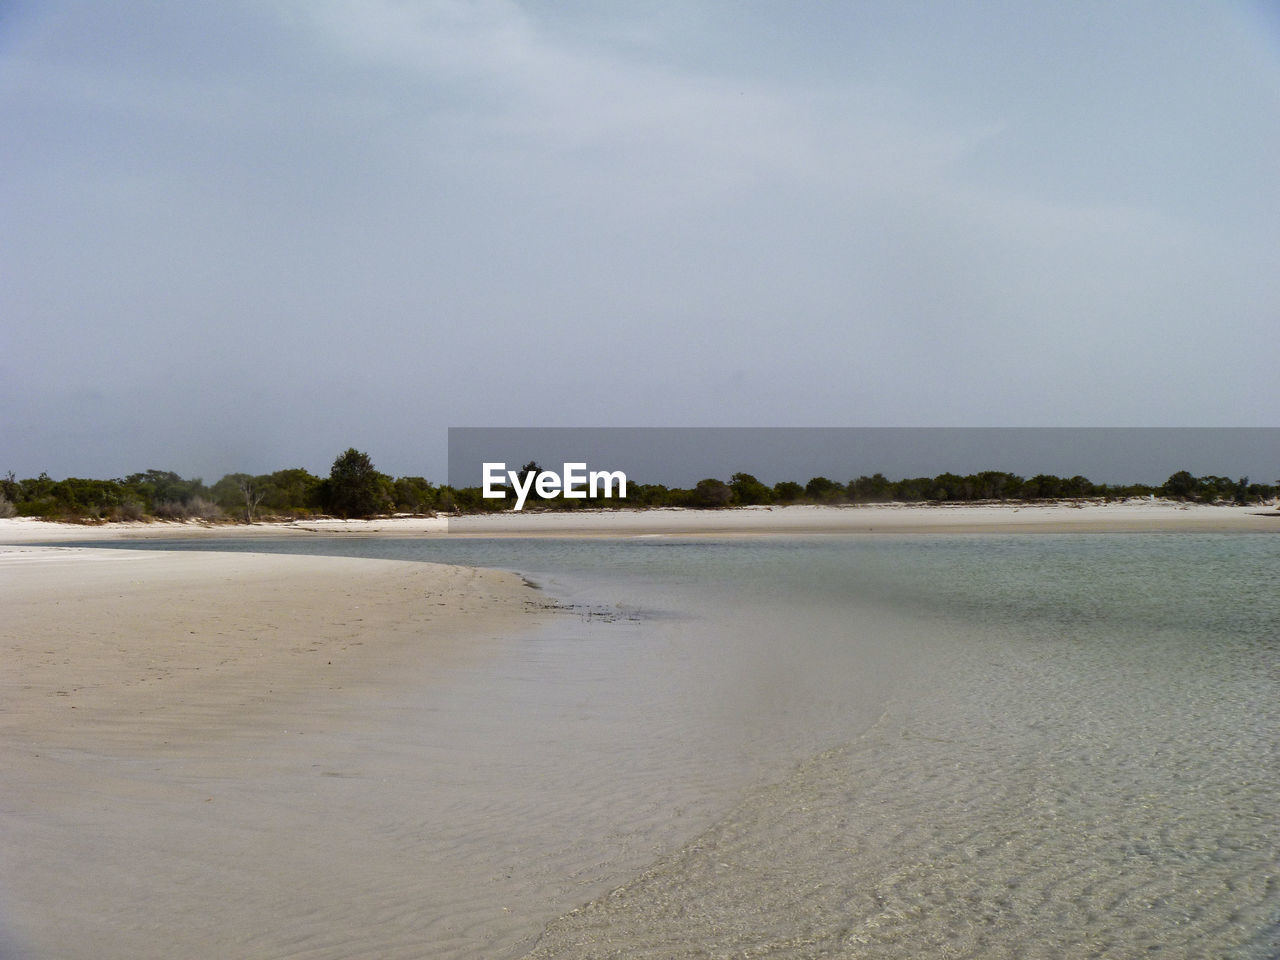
(1118, 517)
(181, 731)
(161, 636)
(222, 754)
(1130, 516)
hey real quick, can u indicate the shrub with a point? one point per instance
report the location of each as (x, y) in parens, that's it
(204, 509)
(197, 508)
(132, 510)
(824, 490)
(7, 509)
(44, 507)
(787, 491)
(748, 491)
(711, 494)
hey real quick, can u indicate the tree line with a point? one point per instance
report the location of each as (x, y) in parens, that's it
(355, 488)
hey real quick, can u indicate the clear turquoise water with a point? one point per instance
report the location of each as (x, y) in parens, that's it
(985, 746)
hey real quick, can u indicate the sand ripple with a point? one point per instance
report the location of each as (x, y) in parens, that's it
(1056, 803)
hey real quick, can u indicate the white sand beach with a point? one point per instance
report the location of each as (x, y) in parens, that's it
(1065, 517)
(253, 755)
(1136, 516)
(182, 743)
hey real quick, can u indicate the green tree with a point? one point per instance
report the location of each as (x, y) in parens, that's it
(711, 494)
(414, 495)
(641, 495)
(1043, 486)
(912, 489)
(947, 486)
(155, 487)
(787, 491)
(823, 490)
(748, 491)
(1181, 486)
(355, 488)
(997, 485)
(240, 494)
(873, 489)
(294, 491)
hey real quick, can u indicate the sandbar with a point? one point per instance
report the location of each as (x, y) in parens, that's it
(1137, 515)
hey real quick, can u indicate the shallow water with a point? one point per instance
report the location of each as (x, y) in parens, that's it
(986, 746)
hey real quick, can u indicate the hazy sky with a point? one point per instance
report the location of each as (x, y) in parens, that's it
(246, 235)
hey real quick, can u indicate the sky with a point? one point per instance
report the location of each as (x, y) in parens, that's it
(245, 236)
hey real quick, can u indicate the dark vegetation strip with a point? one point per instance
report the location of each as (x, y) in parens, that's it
(354, 488)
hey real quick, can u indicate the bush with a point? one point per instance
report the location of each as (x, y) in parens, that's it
(127, 511)
(748, 491)
(197, 508)
(824, 490)
(787, 491)
(711, 494)
(414, 495)
(46, 508)
(7, 509)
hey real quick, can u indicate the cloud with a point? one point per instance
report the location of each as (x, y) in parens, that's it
(491, 85)
(852, 212)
